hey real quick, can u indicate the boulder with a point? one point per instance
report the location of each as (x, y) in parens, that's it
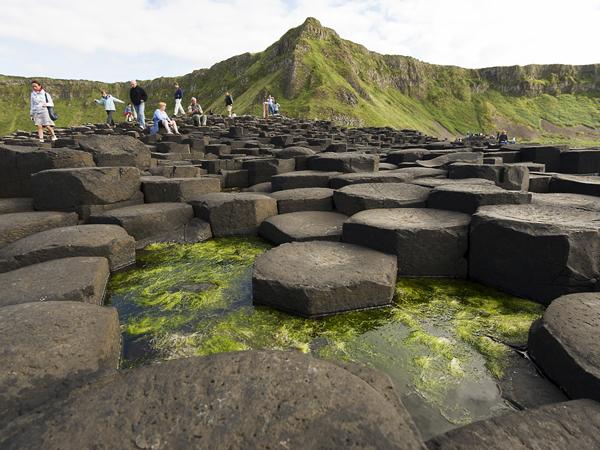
(152, 222)
(564, 344)
(302, 179)
(535, 251)
(567, 425)
(304, 199)
(69, 189)
(231, 214)
(264, 188)
(303, 226)
(576, 184)
(467, 198)
(582, 160)
(406, 155)
(16, 226)
(251, 399)
(109, 241)
(587, 202)
(444, 161)
(510, 177)
(116, 151)
(549, 155)
(427, 242)
(357, 197)
(77, 279)
(261, 170)
(318, 278)
(422, 172)
(348, 162)
(160, 190)
(46, 348)
(16, 204)
(368, 177)
(18, 163)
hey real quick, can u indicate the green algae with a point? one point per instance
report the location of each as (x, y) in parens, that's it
(444, 340)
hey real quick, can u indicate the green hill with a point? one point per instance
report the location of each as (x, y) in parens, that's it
(314, 73)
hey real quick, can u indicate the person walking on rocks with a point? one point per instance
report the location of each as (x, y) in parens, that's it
(40, 101)
(198, 115)
(109, 106)
(229, 103)
(138, 97)
(178, 99)
(161, 118)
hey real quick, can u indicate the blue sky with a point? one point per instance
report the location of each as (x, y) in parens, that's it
(117, 40)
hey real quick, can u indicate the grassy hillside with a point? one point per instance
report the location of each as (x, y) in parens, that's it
(315, 74)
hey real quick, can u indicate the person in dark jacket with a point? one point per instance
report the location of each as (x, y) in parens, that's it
(178, 97)
(138, 97)
(228, 103)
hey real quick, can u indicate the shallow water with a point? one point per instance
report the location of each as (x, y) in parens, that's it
(441, 341)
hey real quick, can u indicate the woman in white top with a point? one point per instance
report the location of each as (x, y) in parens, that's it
(38, 110)
(161, 118)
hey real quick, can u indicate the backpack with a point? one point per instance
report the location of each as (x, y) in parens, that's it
(51, 110)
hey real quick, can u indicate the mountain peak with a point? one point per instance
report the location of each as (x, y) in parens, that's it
(313, 28)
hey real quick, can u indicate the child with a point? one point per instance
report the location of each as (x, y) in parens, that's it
(128, 113)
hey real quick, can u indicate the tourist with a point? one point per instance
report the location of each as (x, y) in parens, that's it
(109, 106)
(129, 113)
(503, 138)
(178, 98)
(40, 101)
(276, 107)
(228, 103)
(196, 112)
(271, 104)
(161, 119)
(138, 97)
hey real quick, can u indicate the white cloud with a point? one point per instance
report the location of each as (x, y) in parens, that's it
(181, 35)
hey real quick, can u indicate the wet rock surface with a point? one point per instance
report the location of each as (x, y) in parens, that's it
(574, 424)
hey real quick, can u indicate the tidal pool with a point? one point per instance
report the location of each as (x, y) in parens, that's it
(446, 344)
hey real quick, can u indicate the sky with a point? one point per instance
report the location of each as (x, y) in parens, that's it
(117, 40)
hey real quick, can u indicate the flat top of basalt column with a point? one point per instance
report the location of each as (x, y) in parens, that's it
(410, 218)
(435, 182)
(302, 193)
(323, 263)
(542, 215)
(478, 189)
(367, 177)
(307, 173)
(588, 202)
(396, 191)
(251, 399)
(218, 198)
(419, 172)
